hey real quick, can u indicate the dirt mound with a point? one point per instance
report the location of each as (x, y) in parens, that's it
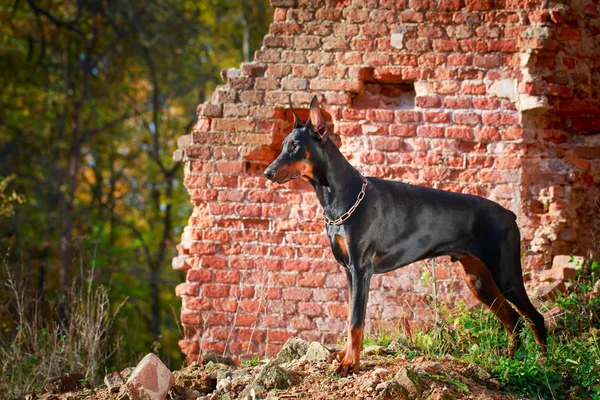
(301, 371)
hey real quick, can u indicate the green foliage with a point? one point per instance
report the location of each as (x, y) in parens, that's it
(8, 200)
(94, 97)
(255, 361)
(379, 338)
(570, 368)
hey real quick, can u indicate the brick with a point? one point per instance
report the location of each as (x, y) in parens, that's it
(465, 118)
(459, 132)
(404, 116)
(456, 102)
(430, 131)
(500, 119)
(436, 117)
(311, 280)
(198, 275)
(478, 5)
(297, 294)
(403, 130)
(486, 103)
(428, 101)
(215, 290)
(561, 274)
(459, 59)
(387, 144)
(187, 289)
(150, 379)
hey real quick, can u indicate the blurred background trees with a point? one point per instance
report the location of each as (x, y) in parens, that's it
(94, 95)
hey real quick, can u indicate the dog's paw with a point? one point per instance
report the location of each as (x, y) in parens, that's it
(337, 356)
(348, 365)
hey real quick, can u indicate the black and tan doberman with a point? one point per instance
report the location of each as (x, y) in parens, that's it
(376, 225)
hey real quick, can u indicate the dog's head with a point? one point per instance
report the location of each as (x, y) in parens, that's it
(301, 148)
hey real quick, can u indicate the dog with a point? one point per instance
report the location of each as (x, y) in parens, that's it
(376, 225)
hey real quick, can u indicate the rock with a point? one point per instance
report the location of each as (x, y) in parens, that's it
(367, 385)
(557, 274)
(126, 373)
(223, 373)
(549, 291)
(392, 391)
(316, 352)
(252, 392)
(373, 350)
(114, 381)
(565, 261)
(402, 347)
(272, 376)
(151, 380)
(596, 289)
(379, 374)
(441, 394)
(477, 373)
(224, 384)
(404, 380)
(292, 349)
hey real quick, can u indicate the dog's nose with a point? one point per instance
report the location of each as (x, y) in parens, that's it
(270, 174)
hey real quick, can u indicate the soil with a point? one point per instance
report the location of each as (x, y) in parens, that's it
(384, 374)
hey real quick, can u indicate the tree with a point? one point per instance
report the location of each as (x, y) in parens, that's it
(95, 95)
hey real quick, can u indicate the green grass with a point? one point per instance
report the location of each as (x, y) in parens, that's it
(570, 368)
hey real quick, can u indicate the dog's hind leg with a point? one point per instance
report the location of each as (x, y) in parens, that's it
(481, 283)
(510, 281)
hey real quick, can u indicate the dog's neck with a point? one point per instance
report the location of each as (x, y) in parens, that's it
(336, 182)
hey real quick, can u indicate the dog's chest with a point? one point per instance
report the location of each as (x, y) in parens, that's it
(340, 240)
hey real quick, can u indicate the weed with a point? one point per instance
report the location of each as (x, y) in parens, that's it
(570, 369)
(35, 348)
(255, 361)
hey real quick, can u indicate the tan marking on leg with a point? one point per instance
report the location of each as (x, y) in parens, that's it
(351, 361)
(484, 288)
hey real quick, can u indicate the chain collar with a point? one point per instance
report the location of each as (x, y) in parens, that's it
(348, 213)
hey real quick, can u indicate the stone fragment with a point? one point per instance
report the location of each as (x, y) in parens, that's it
(150, 380)
(224, 384)
(373, 350)
(475, 372)
(292, 349)
(272, 376)
(391, 390)
(402, 347)
(441, 394)
(557, 274)
(532, 103)
(114, 381)
(367, 386)
(568, 261)
(316, 352)
(379, 374)
(504, 88)
(404, 380)
(549, 291)
(397, 39)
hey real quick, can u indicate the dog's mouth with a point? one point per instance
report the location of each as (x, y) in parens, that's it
(285, 176)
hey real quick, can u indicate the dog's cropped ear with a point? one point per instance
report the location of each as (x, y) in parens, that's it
(317, 121)
(297, 121)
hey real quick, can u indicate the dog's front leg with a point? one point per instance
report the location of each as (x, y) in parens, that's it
(339, 355)
(359, 296)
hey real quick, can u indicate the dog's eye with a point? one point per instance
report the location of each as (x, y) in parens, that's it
(293, 146)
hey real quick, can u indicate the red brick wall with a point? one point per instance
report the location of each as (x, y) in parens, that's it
(506, 106)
